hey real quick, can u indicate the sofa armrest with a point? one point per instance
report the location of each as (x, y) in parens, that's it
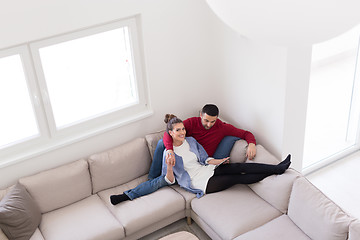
(354, 231)
(315, 214)
(276, 189)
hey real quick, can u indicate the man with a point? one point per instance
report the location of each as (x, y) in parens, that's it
(215, 136)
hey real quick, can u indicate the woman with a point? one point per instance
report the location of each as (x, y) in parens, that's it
(199, 174)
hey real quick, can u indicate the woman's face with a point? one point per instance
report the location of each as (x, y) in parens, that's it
(178, 132)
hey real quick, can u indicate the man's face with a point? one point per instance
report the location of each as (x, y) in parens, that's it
(207, 120)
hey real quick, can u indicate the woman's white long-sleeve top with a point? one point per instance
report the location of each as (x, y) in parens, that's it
(191, 170)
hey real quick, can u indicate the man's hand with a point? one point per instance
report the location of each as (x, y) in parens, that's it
(251, 151)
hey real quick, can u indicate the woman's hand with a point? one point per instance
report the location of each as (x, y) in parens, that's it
(218, 161)
(170, 156)
(170, 159)
(170, 163)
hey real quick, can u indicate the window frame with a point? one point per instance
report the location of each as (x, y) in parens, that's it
(353, 117)
(15, 149)
(51, 138)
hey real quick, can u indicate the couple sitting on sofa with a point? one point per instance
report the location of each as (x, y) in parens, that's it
(187, 160)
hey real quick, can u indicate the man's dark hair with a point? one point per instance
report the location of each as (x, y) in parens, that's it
(211, 110)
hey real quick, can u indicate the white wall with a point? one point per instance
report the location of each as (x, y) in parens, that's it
(278, 115)
(191, 58)
(251, 94)
(179, 37)
(296, 99)
(264, 88)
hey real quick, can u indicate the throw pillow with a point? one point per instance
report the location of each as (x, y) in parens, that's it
(19, 214)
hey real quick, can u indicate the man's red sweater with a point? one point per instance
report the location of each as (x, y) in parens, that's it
(209, 138)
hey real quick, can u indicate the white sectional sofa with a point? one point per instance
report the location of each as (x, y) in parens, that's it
(73, 202)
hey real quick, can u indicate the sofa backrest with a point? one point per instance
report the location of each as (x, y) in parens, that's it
(119, 165)
(237, 154)
(315, 214)
(59, 187)
(152, 140)
(3, 192)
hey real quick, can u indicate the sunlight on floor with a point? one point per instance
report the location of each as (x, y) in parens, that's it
(340, 182)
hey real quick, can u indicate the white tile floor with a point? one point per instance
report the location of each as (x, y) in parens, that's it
(340, 182)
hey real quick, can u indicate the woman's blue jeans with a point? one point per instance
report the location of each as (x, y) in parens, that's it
(157, 181)
(147, 187)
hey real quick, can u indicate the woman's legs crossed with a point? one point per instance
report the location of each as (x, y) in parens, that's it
(227, 175)
(222, 182)
(240, 168)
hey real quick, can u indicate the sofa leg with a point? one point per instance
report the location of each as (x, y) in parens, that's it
(189, 220)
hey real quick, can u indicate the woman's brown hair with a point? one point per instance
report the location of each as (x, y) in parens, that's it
(170, 120)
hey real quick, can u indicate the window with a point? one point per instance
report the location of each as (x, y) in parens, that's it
(334, 103)
(18, 121)
(89, 76)
(87, 82)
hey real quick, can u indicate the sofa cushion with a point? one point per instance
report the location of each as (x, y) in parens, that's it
(19, 214)
(152, 141)
(276, 189)
(86, 219)
(279, 228)
(61, 186)
(264, 156)
(119, 165)
(354, 231)
(188, 197)
(238, 152)
(37, 235)
(142, 212)
(234, 211)
(315, 214)
(3, 236)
